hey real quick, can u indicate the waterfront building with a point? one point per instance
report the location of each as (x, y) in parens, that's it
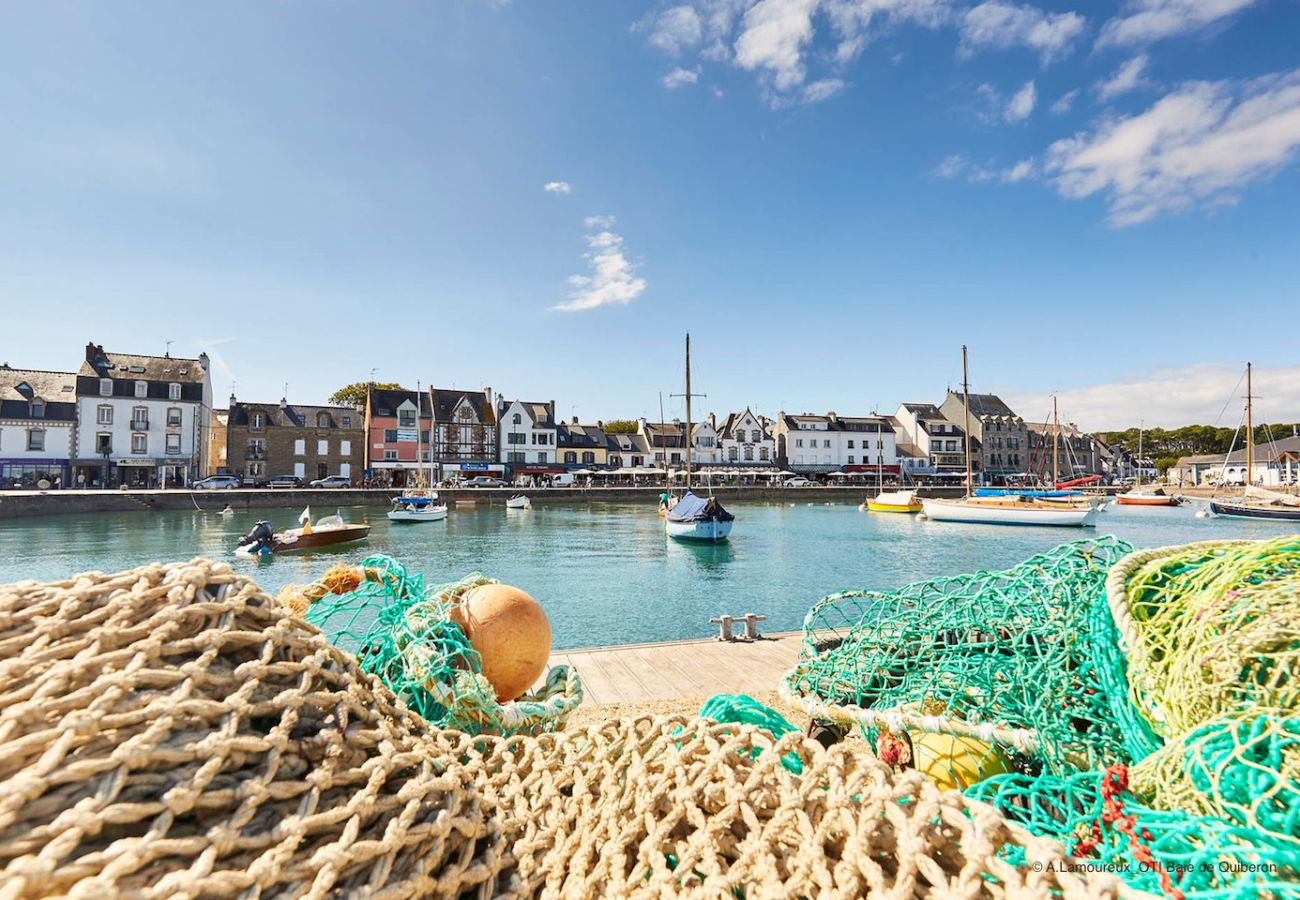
(218, 453)
(465, 441)
(1000, 433)
(397, 424)
(666, 440)
(812, 444)
(142, 420)
(38, 424)
(581, 446)
(744, 440)
(529, 439)
(939, 444)
(1077, 453)
(264, 440)
(1275, 464)
(628, 451)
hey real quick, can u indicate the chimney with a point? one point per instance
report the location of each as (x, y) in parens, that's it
(487, 392)
(232, 399)
(91, 355)
(575, 420)
(203, 360)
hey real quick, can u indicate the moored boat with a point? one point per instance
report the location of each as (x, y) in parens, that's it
(519, 502)
(893, 501)
(331, 530)
(417, 508)
(1156, 497)
(1009, 511)
(698, 519)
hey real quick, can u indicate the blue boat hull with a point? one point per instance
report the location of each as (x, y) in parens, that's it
(706, 530)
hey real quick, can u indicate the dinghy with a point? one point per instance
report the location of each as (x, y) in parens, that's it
(519, 502)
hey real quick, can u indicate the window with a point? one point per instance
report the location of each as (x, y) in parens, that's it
(104, 414)
(345, 448)
(140, 418)
(756, 435)
(256, 469)
(570, 457)
(826, 442)
(390, 435)
(588, 458)
(733, 454)
(518, 419)
(616, 461)
(173, 415)
(322, 420)
(798, 442)
(139, 443)
(515, 457)
(346, 421)
(516, 437)
(543, 457)
(142, 389)
(749, 454)
(390, 454)
(424, 435)
(851, 459)
(256, 449)
(300, 470)
(103, 444)
(850, 445)
(173, 443)
(36, 439)
(762, 453)
(105, 387)
(322, 448)
(345, 469)
(299, 447)
(406, 418)
(173, 392)
(256, 420)
(38, 409)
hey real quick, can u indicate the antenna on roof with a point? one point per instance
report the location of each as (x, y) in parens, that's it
(168, 354)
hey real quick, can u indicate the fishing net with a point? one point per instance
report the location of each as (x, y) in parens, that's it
(402, 632)
(172, 731)
(1002, 663)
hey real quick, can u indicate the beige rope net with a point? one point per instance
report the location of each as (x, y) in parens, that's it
(173, 732)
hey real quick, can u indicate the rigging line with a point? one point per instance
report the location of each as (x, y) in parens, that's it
(1237, 387)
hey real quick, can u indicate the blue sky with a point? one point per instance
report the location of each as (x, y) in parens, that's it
(833, 195)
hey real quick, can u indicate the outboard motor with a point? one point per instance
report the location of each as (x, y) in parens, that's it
(261, 535)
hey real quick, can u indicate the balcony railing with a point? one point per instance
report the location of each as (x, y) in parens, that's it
(252, 453)
(139, 424)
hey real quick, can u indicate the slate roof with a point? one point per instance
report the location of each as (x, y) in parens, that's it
(666, 434)
(987, 405)
(541, 413)
(295, 416)
(841, 423)
(732, 421)
(628, 443)
(136, 367)
(56, 389)
(384, 402)
(445, 402)
(923, 410)
(580, 437)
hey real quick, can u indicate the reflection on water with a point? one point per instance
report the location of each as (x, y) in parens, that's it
(606, 572)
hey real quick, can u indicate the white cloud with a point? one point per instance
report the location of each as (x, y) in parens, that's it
(822, 90)
(1000, 25)
(1019, 172)
(1062, 105)
(1129, 76)
(1171, 398)
(851, 20)
(1021, 103)
(1145, 21)
(951, 166)
(558, 187)
(612, 280)
(680, 77)
(1197, 144)
(675, 29)
(773, 37)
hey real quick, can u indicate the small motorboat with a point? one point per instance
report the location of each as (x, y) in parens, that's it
(1156, 497)
(893, 501)
(698, 519)
(417, 508)
(519, 502)
(264, 540)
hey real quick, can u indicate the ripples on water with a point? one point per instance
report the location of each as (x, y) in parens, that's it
(606, 572)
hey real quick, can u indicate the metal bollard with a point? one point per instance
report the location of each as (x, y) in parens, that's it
(751, 625)
(725, 622)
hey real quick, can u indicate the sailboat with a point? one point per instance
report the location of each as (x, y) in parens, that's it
(899, 501)
(1003, 510)
(694, 518)
(1063, 493)
(1257, 503)
(1135, 496)
(421, 504)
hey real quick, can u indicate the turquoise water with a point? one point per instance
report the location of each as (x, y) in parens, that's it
(605, 572)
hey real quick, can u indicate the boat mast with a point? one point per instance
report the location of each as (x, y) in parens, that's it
(688, 410)
(965, 393)
(419, 439)
(1250, 430)
(1056, 442)
(1141, 425)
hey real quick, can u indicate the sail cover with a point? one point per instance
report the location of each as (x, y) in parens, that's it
(1278, 497)
(694, 509)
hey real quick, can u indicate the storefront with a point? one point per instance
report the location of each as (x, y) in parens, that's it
(470, 469)
(41, 474)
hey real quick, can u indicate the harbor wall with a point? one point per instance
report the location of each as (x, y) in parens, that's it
(20, 504)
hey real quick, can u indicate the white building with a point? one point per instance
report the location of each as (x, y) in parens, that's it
(810, 444)
(142, 420)
(744, 440)
(704, 443)
(38, 424)
(528, 437)
(935, 445)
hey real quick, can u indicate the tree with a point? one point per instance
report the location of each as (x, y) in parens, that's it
(620, 426)
(355, 394)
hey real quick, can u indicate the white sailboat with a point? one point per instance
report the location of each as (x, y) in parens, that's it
(1136, 496)
(1256, 502)
(421, 504)
(1000, 510)
(694, 518)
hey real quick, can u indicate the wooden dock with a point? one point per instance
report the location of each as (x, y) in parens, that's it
(635, 673)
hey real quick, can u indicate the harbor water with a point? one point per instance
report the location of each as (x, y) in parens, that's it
(605, 571)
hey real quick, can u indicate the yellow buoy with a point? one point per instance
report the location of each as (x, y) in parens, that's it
(510, 631)
(954, 762)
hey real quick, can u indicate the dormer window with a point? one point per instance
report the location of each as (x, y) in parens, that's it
(38, 408)
(173, 392)
(406, 418)
(322, 420)
(255, 420)
(142, 389)
(105, 387)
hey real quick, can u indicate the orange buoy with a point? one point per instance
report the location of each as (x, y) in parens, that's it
(509, 630)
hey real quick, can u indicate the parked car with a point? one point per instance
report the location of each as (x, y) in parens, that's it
(332, 481)
(216, 483)
(285, 481)
(484, 481)
(800, 481)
